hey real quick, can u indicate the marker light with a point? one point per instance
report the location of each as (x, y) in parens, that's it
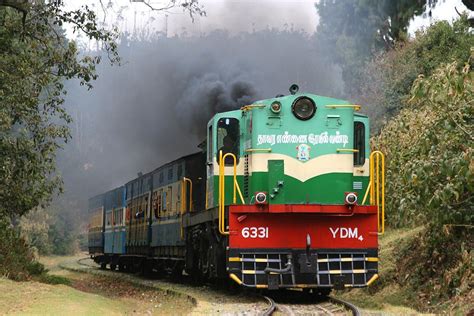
(303, 108)
(260, 198)
(276, 107)
(351, 198)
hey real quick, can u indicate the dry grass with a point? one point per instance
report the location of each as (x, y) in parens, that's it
(85, 294)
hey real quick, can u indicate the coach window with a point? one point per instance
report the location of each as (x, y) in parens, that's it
(228, 139)
(359, 143)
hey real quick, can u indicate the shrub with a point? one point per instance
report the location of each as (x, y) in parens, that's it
(430, 150)
(17, 260)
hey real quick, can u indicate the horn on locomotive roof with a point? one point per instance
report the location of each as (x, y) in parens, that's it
(294, 88)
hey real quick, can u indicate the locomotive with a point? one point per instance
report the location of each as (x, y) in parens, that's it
(284, 193)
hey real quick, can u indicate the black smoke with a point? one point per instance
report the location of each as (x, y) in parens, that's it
(155, 107)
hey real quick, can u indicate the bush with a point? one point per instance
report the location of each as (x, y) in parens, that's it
(17, 260)
(429, 147)
(430, 150)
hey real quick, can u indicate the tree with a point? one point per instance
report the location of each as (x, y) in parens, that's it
(388, 77)
(35, 60)
(351, 31)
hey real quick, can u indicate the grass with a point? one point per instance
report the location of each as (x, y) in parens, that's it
(35, 298)
(385, 295)
(62, 292)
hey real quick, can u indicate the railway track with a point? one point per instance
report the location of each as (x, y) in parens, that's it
(327, 306)
(290, 302)
(82, 263)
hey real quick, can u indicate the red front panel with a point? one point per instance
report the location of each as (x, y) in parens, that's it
(251, 229)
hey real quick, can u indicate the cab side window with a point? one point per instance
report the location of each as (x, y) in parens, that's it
(228, 139)
(359, 143)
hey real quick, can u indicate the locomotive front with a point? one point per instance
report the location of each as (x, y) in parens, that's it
(289, 176)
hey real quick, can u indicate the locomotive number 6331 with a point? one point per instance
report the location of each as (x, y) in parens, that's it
(255, 232)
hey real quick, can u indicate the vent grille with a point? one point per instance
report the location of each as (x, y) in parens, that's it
(357, 185)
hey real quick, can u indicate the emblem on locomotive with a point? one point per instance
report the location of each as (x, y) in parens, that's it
(303, 152)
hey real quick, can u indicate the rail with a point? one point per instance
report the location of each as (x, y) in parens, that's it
(221, 209)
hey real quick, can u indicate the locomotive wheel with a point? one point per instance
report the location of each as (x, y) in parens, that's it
(113, 267)
(103, 266)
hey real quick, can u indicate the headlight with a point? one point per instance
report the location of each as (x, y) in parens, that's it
(303, 108)
(351, 198)
(260, 198)
(276, 107)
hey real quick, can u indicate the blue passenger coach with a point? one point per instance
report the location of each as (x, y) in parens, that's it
(96, 224)
(114, 226)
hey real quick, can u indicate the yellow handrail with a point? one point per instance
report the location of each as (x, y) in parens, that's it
(356, 107)
(221, 209)
(184, 201)
(366, 193)
(377, 187)
(186, 180)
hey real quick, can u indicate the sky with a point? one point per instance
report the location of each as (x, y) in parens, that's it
(233, 16)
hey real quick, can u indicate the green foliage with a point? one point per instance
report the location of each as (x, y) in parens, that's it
(351, 31)
(54, 230)
(52, 279)
(34, 61)
(438, 265)
(17, 260)
(388, 78)
(34, 227)
(430, 150)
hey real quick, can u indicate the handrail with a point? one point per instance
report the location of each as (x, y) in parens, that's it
(184, 201)
(356, 107)
(251, 150)
(377, 187)
(366, 193)
(252, 106)
(221, 209)
(187, 180)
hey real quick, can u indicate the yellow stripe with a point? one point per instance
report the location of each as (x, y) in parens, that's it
(359, 271)
(261, 286)
(370, 259)
(261, 260)
(234, 259)
(372, 279)
(335, 271)
(248, 271)
(235, 278)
